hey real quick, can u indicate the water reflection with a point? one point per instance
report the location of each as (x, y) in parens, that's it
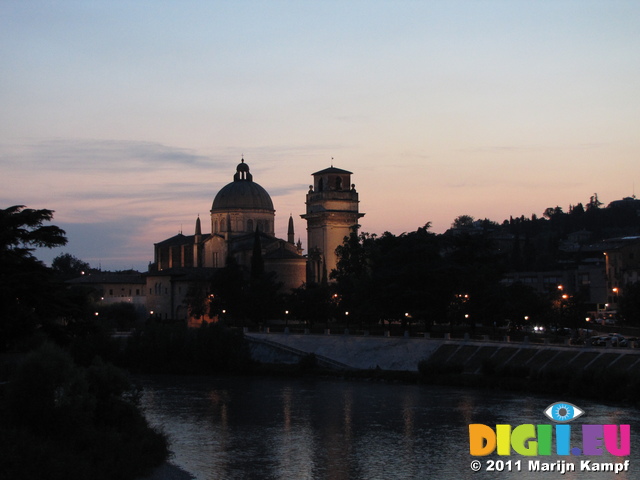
(237, 428)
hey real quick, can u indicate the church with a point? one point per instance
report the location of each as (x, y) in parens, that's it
(242, 218)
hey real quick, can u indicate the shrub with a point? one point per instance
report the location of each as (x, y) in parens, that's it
(60, 420)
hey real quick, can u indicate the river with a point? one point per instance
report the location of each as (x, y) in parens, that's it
(228, 428)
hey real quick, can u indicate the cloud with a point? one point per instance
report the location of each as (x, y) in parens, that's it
(94, 156)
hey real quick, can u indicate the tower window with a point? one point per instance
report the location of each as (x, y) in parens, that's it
(338, 183)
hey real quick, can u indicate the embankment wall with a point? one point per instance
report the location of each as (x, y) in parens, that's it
(404, 354)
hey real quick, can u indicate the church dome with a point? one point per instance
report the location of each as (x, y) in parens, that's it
(243, 193)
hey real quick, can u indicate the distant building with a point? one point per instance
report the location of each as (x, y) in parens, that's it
(622, 264)
(116, 287)
(242, 219)
(242, 214)
(240, 208)
(332, 212)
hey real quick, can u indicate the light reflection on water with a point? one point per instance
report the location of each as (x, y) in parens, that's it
(281, 429)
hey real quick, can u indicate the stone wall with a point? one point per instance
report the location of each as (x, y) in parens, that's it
(404, 354)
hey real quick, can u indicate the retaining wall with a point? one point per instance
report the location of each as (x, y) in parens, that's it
(404, 354)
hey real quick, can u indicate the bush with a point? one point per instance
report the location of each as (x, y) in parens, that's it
(175, 348)
(60, 420)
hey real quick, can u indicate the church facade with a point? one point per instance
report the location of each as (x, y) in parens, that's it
(241, 216)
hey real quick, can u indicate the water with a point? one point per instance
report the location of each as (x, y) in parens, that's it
(271, 428)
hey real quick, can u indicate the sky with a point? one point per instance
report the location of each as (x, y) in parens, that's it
(127, 117)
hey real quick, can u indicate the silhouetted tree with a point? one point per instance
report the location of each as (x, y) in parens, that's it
(257, 262)
(67, 266)
(228, 287)
(463, 221)
(311, 303)
(27, 287)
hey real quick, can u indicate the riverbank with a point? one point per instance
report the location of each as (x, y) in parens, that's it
(598, 373)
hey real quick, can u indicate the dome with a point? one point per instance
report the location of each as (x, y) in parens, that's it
(243, 193)
(242, 167)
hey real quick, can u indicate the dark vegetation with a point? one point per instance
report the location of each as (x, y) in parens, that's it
(65, 413)
(409, 280)
(61, 420)
(174, 348)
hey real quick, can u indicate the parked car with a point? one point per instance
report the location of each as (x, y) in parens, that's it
(614, 339)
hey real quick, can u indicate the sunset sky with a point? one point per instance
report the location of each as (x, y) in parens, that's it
(127, 117)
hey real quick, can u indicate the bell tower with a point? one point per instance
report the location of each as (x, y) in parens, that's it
(332, 211)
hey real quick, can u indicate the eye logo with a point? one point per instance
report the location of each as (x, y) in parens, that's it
(563, 412)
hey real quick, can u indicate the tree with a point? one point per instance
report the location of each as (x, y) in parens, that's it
(27, 288)
(463, 221)
(68, 266)
(22, 229)
(594, 203)
(257, 262)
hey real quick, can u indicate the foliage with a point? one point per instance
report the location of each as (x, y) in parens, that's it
(62, 421)
(311, 303)
(67, 266)
(120, 316)
(22, 229)
(245, 295)
(463, 221)
(175, 348)
(28, 292)
(415, 277)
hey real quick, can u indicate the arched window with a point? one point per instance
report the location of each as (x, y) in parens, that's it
(338, 183)
(250, 225)
(320, 185)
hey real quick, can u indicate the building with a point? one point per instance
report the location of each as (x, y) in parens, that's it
(242, 219)
(115, 287)
(332, 212)
(242, 216)
(622, 265)
(239, 210)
